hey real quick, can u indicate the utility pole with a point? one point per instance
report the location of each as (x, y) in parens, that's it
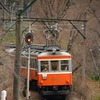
(84, 52)
(16, 82)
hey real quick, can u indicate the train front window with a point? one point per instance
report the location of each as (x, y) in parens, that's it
(64, 65)
(54, 66)
(44, 66)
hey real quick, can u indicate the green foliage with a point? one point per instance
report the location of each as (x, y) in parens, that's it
(97, 97)
(95, 77)
(10, 38)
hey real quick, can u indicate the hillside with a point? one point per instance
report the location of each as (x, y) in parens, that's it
(85, 52)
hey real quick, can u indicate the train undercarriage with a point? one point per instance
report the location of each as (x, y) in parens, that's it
(45, 91)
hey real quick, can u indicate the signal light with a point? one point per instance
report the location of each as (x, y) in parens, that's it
(29, 38)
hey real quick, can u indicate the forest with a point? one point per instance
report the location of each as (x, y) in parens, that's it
(78, 33)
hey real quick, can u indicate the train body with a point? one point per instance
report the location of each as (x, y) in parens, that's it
(50, 71)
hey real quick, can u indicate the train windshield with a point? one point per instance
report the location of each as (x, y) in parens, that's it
(55, 65)
(44, 66)
(64, 65)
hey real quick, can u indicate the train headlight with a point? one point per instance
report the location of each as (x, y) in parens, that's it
(41, 82)
(68, 82)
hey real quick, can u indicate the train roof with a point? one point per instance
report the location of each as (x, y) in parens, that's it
(41, 51)
(48, 53)
(54, 55)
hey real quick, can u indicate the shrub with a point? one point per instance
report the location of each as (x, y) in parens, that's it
(95, 77)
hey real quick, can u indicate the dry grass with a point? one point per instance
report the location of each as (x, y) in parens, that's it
(6, 73)
(94, 89)
(90, 90)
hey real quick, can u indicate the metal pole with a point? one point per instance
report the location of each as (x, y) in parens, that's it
(84, 53)
(84, 62)
(28, 73)
(94, 62)
(22, 11)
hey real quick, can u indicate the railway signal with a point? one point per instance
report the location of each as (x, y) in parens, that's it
(29, 38)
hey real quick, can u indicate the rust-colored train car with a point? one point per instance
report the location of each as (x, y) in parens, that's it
(50, 71)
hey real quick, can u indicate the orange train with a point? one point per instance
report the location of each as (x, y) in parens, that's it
(50, 72)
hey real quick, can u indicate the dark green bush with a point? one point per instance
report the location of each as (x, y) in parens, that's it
(95, 77)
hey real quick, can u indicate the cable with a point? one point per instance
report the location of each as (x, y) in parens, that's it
(11, 24)
(1, 4)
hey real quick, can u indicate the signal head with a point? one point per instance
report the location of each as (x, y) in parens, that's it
(29, 38)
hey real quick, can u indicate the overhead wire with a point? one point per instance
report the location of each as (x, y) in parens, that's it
(10, 24)
(2, 5)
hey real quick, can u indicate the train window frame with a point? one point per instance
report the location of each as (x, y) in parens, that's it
(65, 64)
(35, 63)
(32, 62)
(24, 62)
(44, 67)
(70, 65)
(57, 66)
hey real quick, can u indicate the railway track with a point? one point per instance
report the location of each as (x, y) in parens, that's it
(36, 96)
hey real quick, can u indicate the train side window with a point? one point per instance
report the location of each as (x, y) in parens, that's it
(35, 63)
(32, 63)
(44, 66)
(24, 62)
(54, 66)
(64, 65)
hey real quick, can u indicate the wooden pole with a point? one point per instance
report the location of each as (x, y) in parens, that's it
(16, 83)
